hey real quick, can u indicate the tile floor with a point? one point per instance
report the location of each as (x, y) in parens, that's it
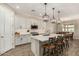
(25, 50)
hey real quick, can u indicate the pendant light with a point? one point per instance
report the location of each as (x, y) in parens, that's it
(58, 21)
(45, 16)
(53, 20)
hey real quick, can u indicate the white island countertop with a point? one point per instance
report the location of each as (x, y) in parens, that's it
(43, 38)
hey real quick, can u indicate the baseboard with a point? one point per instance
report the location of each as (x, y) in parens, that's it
(22, 44)
(5, 52)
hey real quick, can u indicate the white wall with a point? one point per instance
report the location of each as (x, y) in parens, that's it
(76, 24)
(22, 22)
(59, 27)
(51, 27)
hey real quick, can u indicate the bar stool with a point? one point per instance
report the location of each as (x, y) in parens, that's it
(71, 36)
(66, 38)
(59, 45)
(49, 48)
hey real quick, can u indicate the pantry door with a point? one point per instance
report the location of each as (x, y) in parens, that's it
(1, 30)
(8, 41)
(6, 29)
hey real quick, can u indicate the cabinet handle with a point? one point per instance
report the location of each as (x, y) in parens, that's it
(2, 36)
(21, 38)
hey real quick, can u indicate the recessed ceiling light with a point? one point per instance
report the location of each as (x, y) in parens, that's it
(17, 7)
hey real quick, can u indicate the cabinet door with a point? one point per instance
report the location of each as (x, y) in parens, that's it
(12, 30)
(6, 18)
(29, 38)
(22, 39)
(18, 40)
(1, 31)
(26, 39)
(8, 34)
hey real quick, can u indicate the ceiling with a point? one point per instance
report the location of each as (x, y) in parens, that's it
(68, 10)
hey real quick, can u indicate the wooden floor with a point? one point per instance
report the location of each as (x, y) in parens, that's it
(73, 50)
(22, 50)
(25, 50)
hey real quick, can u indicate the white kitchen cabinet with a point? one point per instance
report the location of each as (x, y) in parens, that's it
(6, 29)
(23, 39)
(29, 38)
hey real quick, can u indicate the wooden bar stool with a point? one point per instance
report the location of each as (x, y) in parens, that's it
(49, 48)
(66, 38)
(71, 36)
(59, 45)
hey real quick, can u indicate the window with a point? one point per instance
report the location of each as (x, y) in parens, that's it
(68, 28)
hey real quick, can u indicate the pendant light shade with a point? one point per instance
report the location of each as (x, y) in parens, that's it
(58, 21)
(45, 16)
(53, 20)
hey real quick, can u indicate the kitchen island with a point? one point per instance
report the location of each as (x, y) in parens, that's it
(37, 41)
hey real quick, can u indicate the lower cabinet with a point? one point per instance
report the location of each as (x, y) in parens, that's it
(23, 39)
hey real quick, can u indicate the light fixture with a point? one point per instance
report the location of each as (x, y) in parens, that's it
(45, 16)
(53, 20)
(58, 20)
